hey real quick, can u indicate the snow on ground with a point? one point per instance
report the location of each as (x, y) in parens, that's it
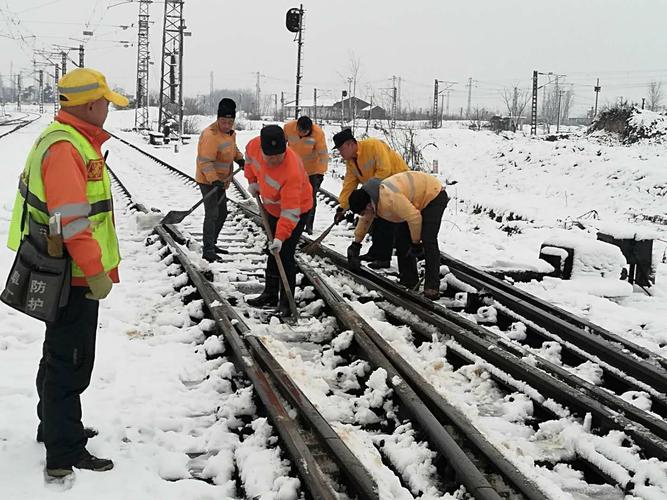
(147, 396)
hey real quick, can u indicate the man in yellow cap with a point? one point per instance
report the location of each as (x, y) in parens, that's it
(65, 174)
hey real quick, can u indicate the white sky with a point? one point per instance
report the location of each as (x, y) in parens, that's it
(497, 43)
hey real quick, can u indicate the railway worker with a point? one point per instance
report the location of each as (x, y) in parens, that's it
(416, 202)
(276, 173)
(216, 153)
(365, 160)
(307, 140)
(65, 173)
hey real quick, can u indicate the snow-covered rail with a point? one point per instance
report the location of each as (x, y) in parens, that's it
(623, 465)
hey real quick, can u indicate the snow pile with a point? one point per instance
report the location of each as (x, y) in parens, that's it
(592, 258)
(645, 124)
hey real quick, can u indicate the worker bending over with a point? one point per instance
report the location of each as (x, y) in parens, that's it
(415, 201)
(365, 160)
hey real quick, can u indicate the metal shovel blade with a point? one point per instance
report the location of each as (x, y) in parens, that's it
(175, 216)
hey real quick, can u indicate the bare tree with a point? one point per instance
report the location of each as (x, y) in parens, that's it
(516, 101)
(654, 95)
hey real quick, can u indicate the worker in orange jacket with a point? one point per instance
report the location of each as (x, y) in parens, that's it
(216, 153)
(66, 174)
(276, 173)
(415, 201)
(307, 140)
(365, 160)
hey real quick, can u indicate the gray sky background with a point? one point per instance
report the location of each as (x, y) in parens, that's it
(497, 43)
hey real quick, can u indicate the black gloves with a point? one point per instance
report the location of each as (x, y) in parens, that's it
(340, 215)
(416, 250)
(353, 256)
(241, 163)
(218, 184)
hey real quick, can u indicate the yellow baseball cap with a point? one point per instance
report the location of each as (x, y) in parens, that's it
(83, 85)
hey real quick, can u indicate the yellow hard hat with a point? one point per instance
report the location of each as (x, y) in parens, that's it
(83, 85)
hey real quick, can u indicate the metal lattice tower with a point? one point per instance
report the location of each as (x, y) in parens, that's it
(143, 57)
(434, 117)
(533, 106)
(41, 91)
(171, 82)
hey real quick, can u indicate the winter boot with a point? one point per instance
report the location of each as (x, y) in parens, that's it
(220, 250)
(87, 462)
(379, 264)
(211, 258)
(269, 297)
(431, 293)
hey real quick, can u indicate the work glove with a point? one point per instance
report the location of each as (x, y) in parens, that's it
(253, 189)
(276, 245)
(340, 215)
(99, 285)
(218, 184)
(416, 250)
(241, 163)
(353, 256)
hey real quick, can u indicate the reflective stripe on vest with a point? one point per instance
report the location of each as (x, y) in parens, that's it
(96, 213)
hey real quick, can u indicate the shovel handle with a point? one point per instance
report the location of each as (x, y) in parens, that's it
(279, 262)
(310, 246)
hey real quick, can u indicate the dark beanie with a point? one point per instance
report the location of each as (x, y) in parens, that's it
(305, 123)
(342, 137)
(226, 108)
(359, 200)
(273, 140)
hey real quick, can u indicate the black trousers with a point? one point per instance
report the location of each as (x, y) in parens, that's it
(272, 283)
(407, 266)
(383, 234)
(215, 214)
(64, 373)
(315, 182)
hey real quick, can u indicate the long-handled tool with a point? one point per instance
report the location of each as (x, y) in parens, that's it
(279, 262)
(312, 247)
(176, 216)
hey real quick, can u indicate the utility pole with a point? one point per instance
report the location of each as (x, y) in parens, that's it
(560, 94)
(210, 89)
(434, 116)
(597, 89)
(282, 106)
(275, 106)
(349, 97)
(80, 55)
(41, 91)
(393, 102)
(258, 109)
(399, 109)
(171, 80)
(470, 80)
(314, 104)
(436, 120)
(18, 98)
(447, 109)
(294, 24)
(643, 101)
(533, 106)
(63, 62)
(141, 115)
(55, 90)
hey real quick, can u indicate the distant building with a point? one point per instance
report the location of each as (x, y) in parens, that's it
(329, 109)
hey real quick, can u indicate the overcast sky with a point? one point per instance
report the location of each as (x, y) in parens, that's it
(497, 43)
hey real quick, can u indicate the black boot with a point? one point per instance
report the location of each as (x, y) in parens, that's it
(269, 297)
(87, 462)
(221, 251)
(379, 264)
(265, 299)
(211, 258)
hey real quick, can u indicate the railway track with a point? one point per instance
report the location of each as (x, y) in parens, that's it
(415, 400)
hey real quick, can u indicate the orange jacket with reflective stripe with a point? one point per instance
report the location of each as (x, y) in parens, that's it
(312, 148)
(215, 154)
(65, 177)
(285, 189)
(401, 198)
(374, 160)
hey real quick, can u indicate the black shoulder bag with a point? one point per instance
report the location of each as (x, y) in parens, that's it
(38, 284)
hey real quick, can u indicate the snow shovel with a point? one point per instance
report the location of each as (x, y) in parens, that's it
(314, 245)
(176, 216)
(279, 262)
